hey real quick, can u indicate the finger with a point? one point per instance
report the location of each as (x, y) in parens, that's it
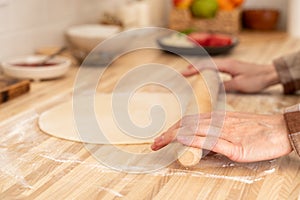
(223, 68)
(170, 135)
(163, 140)
(190, 71)
(190, 66)
(188, 125)
(213, 144)
(203, 131)
(189, 132)
(175, 126)
(226, 66)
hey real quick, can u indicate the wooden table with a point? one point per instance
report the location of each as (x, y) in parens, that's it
(36, 166)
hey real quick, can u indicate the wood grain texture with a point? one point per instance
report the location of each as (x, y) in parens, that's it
(11, 88)
(36, 166)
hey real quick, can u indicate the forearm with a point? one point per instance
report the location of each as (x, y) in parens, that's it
(292, 119)
(288, 69)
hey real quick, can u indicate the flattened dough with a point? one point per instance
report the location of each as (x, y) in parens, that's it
(59, 121)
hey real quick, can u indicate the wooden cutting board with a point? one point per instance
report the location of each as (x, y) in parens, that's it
(11, 88)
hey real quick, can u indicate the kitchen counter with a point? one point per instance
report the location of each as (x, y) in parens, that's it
(35, 165)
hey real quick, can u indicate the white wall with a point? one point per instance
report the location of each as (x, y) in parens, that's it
(281, 5)
(28, 24)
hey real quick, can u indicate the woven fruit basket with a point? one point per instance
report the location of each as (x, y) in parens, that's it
(225, 20)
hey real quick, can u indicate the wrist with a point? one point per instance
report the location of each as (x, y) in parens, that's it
(272, 77)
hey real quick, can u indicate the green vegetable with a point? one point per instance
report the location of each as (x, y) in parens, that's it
(188, 31)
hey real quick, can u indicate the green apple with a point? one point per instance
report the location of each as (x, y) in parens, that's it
(204, 8)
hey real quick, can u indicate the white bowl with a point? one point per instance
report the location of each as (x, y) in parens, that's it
(15, 68)
(87, 37)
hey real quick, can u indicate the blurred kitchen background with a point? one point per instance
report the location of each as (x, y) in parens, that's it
(26, 25)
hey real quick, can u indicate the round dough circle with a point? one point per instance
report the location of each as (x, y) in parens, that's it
(59, 121)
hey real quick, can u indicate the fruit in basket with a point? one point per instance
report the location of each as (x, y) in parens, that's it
(237, 3)
(225, 5)
(183, 4)
(204, 8)
(210, 40)
(229, 4)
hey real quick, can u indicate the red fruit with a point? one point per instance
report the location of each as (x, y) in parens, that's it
(218, 40)
(213, 40)
(200, 38)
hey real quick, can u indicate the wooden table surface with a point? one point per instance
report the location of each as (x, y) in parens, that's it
(34, 165)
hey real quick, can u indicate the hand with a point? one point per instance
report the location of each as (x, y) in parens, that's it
(246, 77)
(243, 137)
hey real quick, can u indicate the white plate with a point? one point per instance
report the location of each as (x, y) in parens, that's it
(87, 37)
(37, 72)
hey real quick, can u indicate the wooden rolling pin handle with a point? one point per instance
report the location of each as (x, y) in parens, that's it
(190, 157)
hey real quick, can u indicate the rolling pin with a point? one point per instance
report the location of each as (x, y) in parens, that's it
(191, 156)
